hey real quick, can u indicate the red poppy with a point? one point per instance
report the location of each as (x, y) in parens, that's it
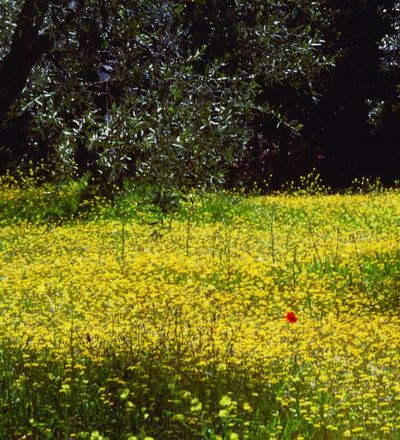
(291, 317)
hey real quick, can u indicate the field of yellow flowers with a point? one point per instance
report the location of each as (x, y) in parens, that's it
(272, 317)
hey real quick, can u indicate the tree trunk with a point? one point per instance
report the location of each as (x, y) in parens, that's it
(30, 41)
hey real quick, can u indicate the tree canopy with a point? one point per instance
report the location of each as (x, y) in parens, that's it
(192, 93)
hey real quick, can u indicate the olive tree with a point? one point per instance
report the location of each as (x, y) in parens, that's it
(163, 92)
(390, 63)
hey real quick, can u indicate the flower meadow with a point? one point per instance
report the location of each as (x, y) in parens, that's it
(244, 317)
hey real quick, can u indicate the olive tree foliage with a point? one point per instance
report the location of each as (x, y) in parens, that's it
(390, 65)
(162, 92)
(390, 44)
(281, 46)
(9, 13)
(271, 42)
(132, 104)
